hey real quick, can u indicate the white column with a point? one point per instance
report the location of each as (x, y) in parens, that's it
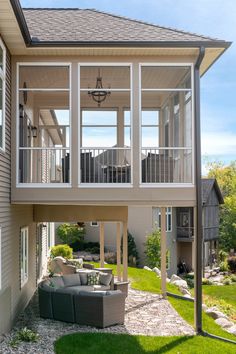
(118, 244)
(102, 244)
(163, 251)
(125, 252)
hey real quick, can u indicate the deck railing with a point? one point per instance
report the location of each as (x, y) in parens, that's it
(105, 165)
(44, 165)
(166, 165)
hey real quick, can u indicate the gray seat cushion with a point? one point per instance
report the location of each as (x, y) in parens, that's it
(75, 289)
(71, 279)
(56, 282)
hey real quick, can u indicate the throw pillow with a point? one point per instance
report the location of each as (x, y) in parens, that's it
(56, 282)
(93, 278)
(105, 278)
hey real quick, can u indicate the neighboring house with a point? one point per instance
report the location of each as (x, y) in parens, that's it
(98, 113)
(179, 229)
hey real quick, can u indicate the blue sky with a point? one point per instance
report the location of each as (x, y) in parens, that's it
(215, 18)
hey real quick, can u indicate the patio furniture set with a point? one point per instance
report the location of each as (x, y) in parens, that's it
(86, 297)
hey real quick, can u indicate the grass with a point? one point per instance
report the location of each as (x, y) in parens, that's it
(103, 343)
(100, 343)
(226, 293)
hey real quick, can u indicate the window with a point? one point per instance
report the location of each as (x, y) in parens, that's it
(157, 218)
(2, 94)
(50, 235)
(94, 224)
(24, 253)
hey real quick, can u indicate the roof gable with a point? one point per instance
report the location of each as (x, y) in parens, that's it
(86, 25)
(207, 185)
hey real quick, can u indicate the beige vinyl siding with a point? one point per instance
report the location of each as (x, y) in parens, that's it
(12, 218)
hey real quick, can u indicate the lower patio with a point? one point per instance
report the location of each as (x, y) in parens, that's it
(145, 314)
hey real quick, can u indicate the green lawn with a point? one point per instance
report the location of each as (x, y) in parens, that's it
(226, 293)
(106, 343)
(101, 343)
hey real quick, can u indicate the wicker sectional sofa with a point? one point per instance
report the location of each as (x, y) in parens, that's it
(72, 298)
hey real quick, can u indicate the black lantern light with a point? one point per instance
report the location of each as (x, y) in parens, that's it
(99, 95)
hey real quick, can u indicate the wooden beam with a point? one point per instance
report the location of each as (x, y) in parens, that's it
(118, 244)
(163, 251)
(125, 252)
(101, 244)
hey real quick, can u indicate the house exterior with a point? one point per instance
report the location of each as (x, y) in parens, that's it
(179, 229)
(93, 121)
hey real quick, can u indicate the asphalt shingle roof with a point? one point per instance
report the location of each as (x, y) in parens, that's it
(81, 25)
(207, 185)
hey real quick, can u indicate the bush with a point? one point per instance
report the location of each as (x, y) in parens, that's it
(153, 249)
(93, 250)
(132, 250)
(227, 281)
(64, 251)
(206, 281)
(224, 266)
(223, 255)
(232, 263)
(233, 278)
(71, 233)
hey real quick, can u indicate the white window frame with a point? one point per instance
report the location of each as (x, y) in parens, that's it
(130, 90)
(168, 214)
(3, 78)
(161, 64)
(24, 258)
(94, 224)
(42, 64)
(50, 236)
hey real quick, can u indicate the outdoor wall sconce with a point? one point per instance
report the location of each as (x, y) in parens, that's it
(34, 132)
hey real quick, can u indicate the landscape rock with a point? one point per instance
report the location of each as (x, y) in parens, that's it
(168, 280)
(180, 283)
(88, 258)
(147, 268)
(174, 277)
(188, 296)
(215, 313)
(223, 322)
(184, 291)
(157, 271)
(96, 258)
(204, 307)
(232, 330)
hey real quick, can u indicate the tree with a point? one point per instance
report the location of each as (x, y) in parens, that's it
(71, 233)
(226, 178)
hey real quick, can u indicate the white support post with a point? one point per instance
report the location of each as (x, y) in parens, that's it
(118, 244)
(102, 244)
(163, 251)
(125, 252)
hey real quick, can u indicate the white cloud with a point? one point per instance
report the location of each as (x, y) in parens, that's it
(220, 143)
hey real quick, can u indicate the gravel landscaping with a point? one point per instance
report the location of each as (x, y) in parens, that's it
(146, 314)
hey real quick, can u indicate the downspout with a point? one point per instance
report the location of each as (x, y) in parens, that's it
(199, 233)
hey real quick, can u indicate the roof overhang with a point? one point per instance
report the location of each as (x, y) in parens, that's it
(15, 33)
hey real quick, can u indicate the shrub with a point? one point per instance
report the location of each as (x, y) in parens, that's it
(232, 263)
(224, 266)
(132, 250)
(153, 249)
(206, 281)
(227, 281)
(93, 250)
(233, 278)
(24, 335)
(223, 255)
(71, 233)
(64, 251)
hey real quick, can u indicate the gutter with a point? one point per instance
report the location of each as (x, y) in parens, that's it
(198, 172)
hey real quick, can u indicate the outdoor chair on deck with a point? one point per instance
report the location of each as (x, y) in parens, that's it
(58, 265)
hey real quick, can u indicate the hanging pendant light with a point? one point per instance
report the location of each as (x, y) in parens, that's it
(99, 95)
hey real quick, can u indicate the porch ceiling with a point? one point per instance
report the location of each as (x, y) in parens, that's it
(72, 213)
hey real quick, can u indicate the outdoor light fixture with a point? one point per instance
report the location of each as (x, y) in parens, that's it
(99, 95)
(34, 132)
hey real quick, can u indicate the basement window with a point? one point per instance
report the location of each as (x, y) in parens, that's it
(24, 255)
(2, 94)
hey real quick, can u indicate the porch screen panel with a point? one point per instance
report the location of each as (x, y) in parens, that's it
(167, 89)
(44, 124)
(105, 153)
